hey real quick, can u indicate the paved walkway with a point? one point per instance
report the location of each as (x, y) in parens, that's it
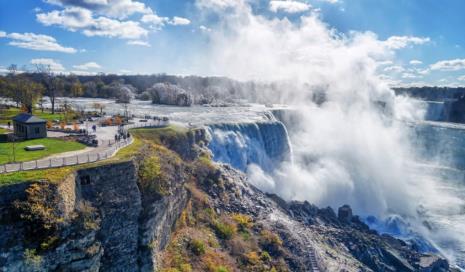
(107, 148)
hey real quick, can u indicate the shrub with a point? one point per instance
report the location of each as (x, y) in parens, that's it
(197, 247)
(265, 256)
(224, 230)
(151, 176)
(88, 216)
(171, 269)
(32, 259)
(243, 221)
(118, 121)
(221, 269)
(39, 211)
(271, 242)
(108, 122)
(185, 267)
(252, 257)
(49, 242)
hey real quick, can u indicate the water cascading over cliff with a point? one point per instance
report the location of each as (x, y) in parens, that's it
(265, 144)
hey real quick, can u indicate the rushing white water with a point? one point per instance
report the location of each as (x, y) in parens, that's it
(353, 145)
(242, 144)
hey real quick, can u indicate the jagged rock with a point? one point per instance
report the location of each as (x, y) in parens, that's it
(344, 214)
(431, 263)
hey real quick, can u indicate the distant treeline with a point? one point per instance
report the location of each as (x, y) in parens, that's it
(432, 93)
(203, 89)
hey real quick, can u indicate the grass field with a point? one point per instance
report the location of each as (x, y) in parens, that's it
(58, 174)
(52, 146)
(7, 115)
(3, 131)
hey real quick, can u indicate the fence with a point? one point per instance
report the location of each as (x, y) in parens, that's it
(66, 161)
(92, 156)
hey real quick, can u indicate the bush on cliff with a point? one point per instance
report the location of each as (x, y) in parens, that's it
(39, 212)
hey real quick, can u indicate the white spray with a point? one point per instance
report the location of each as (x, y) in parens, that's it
(351, 149)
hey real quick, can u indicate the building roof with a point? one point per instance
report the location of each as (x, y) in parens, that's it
(28, 119)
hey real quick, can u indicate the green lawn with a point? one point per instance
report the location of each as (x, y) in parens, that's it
(7, 115)
(52, 146)
(58, 174)
(3, 131)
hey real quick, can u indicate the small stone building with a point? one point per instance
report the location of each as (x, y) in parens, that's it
(28, 126)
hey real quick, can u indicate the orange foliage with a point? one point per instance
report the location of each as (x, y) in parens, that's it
(108, 122)
(118, 121)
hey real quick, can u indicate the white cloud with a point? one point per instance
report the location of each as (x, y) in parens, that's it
(154, 20)
(461, 78)
(140, 43)
(87, 66)
(74, 19)
(70, 18)
(449, 65)
(289, 6)
(180, 21)
(385, 62)
(113, 28)
(423, 71)
(410, 76)
(217, 4)
(36, 42)
(112, 8)
(398, 42)
(330, 1)
(204, 28)
(416, 62)
(395, 69)
(54, 65)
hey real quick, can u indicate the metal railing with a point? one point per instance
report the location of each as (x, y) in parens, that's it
(89, 157)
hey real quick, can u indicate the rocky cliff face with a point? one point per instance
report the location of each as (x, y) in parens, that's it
(316, 239)
(173, 209)
(106, 224)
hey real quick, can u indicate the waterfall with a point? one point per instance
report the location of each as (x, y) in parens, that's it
(435, 111)
(265, 144)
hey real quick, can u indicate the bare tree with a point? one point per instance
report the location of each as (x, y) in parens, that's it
(41, 103)
(53, 84)
(99, 106)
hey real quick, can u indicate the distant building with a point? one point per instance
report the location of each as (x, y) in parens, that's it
(28, 126)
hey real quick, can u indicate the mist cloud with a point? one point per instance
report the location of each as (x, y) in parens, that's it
(352, 148)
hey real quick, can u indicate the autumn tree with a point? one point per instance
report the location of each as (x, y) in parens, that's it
(76, 88)
(28, 91)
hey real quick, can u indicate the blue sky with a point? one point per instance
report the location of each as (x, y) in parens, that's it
(167, 36)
